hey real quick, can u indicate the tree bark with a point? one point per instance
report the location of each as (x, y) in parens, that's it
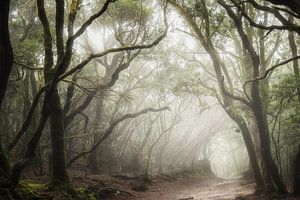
(57, 131)
(4, 168)
(59, 172)
(294, 51)
(6, 51)
(297, 174)
(6, 61)
(249, 146)
(93, 157)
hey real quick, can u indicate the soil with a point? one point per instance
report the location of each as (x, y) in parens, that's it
(191, 189)
(163, 189)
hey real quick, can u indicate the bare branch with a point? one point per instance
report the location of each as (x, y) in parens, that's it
(271, 69)
(286, 25)
(235, 97)
(108, 132)
(51, 85)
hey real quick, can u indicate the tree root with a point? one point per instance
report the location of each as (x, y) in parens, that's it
(106, 192)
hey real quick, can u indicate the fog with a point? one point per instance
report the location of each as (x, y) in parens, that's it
(196, 128)
(164, 99)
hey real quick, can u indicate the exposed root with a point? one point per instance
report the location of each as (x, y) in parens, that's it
(107, 192)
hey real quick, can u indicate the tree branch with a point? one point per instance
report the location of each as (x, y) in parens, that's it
(235, 97)
(286, 25)
(65, 61)
(59, 28)
(294, 5)
(51, 85)
(48, 62)
(110, 129)
(271, 69)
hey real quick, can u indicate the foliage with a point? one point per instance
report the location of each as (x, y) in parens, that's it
(286, 102)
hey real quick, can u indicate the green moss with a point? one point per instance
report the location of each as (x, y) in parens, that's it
(70, 192)
(85, 194)
(57, 185)
(36, 186)
(30, 191)
(65, 187)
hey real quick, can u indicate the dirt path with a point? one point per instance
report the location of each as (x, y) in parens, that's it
(226, 189)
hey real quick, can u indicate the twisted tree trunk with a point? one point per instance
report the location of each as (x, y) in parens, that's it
(6, 61)
(6, 51)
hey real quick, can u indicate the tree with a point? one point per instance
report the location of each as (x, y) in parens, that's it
(257, 106)
(6, 61)
(296, 174)
(53, 74)
(6, 51)
(205, 40)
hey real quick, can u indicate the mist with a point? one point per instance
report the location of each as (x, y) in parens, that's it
(130, 99)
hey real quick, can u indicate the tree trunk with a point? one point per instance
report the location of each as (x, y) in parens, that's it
(93, 157)
(4, 168)
(265, 145)
(6, 61)
(250, 148)
(59, 172)
(257, 105)
(294, 52)
(6, 52)
(31, 147)
(297, 174)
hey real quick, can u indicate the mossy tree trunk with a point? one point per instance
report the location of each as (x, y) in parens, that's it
(6, 61)
(59, 172)
(6, 51)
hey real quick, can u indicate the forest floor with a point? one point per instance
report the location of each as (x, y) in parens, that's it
(226, 189)
(116, 188)
(192, 189)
